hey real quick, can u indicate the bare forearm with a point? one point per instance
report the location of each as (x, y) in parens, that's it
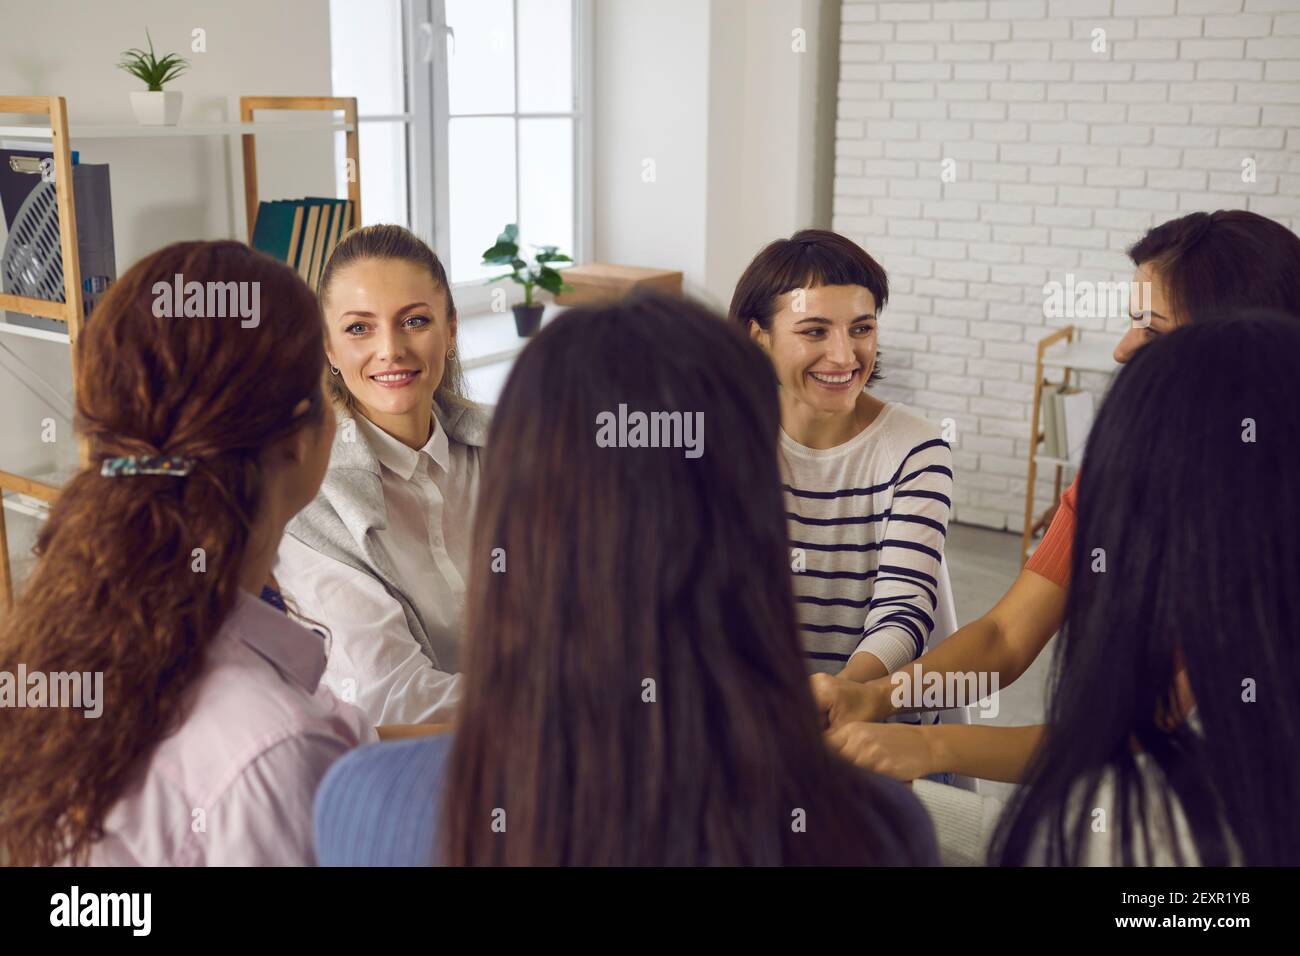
(989, 753)
(1004, 641)
(979, 647)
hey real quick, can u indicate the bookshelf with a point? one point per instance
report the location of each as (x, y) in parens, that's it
(32, 495)
(1056, 352)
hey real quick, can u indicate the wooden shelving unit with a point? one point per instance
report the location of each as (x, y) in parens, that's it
(1072, 356)
(69, 311)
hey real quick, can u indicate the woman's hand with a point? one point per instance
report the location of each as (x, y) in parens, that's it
(901, 751)
(841, 701)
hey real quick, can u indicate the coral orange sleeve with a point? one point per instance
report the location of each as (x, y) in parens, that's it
(1051, 558)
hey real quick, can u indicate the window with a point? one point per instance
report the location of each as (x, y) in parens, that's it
(474, 113)
(367, 61)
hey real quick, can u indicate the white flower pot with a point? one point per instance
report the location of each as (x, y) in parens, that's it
(156, 109)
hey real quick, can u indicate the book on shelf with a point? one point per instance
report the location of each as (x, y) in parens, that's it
(277, 230)
(307, 247)
(1051, 431)
(302, 233)
(1066, 418)
(1074, 412)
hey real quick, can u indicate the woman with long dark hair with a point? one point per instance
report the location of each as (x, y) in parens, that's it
(1198, 267)
(205, 434)
(634, 689)
(1185, 556)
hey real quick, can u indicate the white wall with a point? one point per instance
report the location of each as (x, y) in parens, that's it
(774, 66)
(735, 119)
(163, 190)
(650, 91)
(1065, 157)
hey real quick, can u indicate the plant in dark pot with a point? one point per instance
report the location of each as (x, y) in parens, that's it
(540, 273)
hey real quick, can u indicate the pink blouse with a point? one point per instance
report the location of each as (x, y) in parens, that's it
(233, 786)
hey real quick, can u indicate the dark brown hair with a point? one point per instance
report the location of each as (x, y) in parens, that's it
(114, 590)
(808, 259)
(388, 241)
(1214, 262)
(635, 691)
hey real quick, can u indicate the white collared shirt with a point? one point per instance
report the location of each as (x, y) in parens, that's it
(374, 660)
(429, 496)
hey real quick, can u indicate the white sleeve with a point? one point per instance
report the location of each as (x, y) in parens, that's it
(374, 661)
(964, 822)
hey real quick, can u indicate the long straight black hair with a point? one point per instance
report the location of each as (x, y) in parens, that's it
(634, 688)
(1186, 546)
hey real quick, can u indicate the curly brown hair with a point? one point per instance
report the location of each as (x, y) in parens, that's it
(114, 590)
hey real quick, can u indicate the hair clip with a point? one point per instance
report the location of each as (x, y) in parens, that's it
(175, 465)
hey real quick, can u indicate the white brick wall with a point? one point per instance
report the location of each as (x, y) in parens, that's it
(1064, 158)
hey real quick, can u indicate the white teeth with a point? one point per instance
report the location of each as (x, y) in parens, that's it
(829, 379)
(393, 377)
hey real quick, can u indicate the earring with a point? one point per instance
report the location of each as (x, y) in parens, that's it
(333, 370)
(451, 354)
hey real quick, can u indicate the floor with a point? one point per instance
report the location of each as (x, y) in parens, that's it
(982, 564)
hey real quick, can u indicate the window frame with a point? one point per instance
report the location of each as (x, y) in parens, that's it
(428, 120)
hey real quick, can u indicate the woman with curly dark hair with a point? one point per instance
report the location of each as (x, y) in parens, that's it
(205, 434)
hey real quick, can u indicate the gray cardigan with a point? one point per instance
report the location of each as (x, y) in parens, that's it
(350, 506)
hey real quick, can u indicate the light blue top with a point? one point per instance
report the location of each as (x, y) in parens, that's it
(379, 805)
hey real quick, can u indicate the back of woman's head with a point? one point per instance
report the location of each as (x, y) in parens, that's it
(1185, 550)
(635, 692)
(1212, 263)
(137, 572)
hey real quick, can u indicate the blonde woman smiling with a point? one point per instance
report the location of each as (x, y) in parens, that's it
(381, 556)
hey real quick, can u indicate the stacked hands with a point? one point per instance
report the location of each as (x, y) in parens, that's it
(852, 714)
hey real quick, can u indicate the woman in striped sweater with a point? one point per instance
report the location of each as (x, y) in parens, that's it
(868, 484)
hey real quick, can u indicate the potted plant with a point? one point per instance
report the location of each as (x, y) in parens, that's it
(154, 106)
(539, 273)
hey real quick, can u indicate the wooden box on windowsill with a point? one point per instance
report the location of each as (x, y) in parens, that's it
(599, 282)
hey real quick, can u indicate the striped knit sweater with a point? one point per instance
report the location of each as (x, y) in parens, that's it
(867, 525)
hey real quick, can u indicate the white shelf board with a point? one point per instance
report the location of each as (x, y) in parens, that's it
(1081, 356)
(36, 507)
(27, 505)
(79, 131)
(8, 328)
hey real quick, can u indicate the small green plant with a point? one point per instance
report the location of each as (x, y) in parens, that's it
(531, 275)
(152, 71)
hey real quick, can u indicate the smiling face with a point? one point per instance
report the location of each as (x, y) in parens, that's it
(388, 335)
(1149, 317)
(822, 343)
